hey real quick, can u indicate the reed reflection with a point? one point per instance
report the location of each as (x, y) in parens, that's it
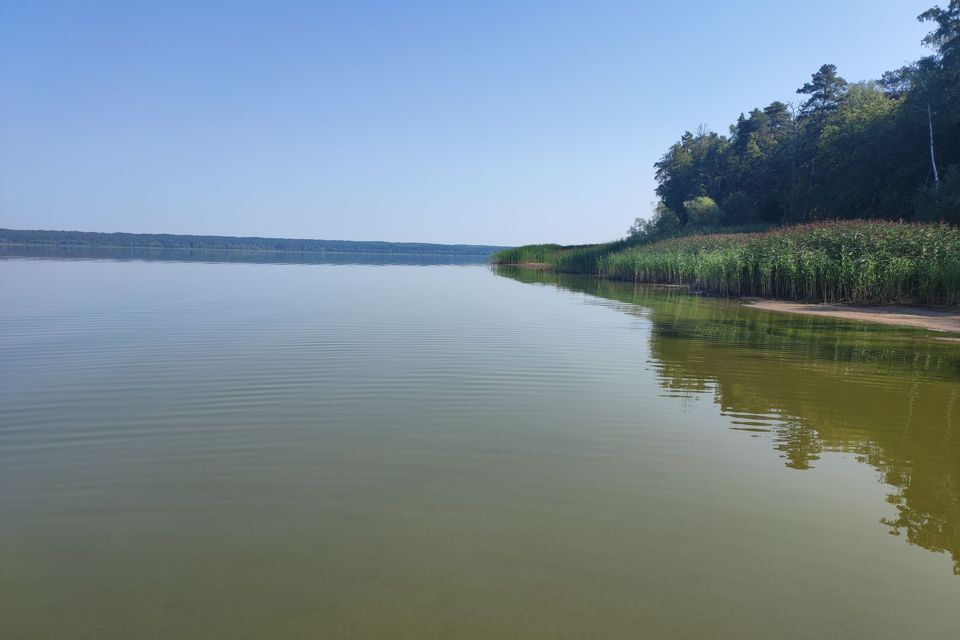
(890, 397)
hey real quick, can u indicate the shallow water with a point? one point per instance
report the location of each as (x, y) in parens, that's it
(237, 450)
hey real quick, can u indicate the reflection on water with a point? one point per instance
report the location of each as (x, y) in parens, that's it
(811, 385)
(247, 451)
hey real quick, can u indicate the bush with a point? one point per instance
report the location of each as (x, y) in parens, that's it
(663, 224)
(703, 212)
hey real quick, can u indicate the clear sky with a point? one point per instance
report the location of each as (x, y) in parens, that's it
(477, 122)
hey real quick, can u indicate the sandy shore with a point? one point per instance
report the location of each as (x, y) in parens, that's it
(933, 319)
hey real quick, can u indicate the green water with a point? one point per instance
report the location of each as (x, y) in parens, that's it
(231, 450)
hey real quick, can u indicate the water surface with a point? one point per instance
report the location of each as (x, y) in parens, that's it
(219, 449)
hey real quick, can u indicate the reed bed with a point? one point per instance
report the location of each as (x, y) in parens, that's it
(859, 262)
(527, 254)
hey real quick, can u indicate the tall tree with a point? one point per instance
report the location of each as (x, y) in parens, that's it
(946, 37)
(889, 148)
(825, 89)
(691, 168)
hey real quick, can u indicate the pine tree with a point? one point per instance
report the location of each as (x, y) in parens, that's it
(825, 89)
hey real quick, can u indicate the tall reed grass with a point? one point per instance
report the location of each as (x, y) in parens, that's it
(860, 262)
(527, 254)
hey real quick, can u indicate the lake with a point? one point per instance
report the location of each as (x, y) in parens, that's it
(204, 447)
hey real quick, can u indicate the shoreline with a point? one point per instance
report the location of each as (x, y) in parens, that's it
(946, 321)
(134, 247)
(860, 262)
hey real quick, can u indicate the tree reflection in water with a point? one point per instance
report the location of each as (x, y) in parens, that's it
(890, 397)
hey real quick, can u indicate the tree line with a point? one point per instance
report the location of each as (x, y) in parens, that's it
(881, 149)
(230, 243)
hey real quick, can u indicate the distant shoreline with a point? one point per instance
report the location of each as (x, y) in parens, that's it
(38, 245)
(232, 256)
(166, 241)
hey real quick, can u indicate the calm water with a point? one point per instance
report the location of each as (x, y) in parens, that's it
(209, 450)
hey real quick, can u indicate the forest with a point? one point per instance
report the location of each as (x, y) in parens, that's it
(887, 148)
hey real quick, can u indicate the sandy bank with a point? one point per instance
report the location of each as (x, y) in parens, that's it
(933, 319)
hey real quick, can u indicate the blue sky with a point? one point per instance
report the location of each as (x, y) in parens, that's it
(481, 122)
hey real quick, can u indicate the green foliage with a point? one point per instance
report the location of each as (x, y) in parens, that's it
(857, 262)
(860, 150)
(589, 259)
(878, 150)
(690, 168)
(946, 36)
(941, 203)
(825, 89)
(528, 254)
(740, 209)
(663, 224)
(703, 212)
